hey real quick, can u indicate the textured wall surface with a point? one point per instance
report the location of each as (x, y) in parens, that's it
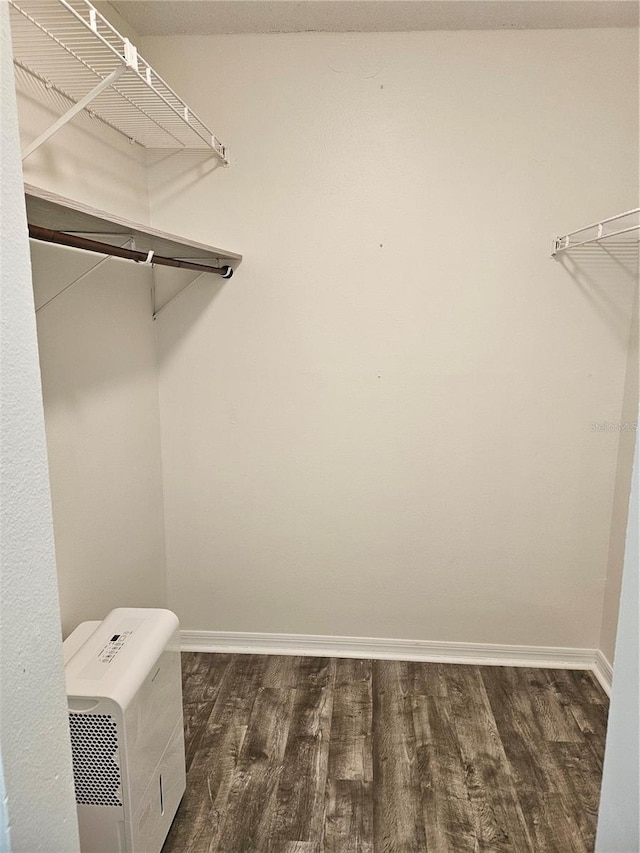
(384, 424)
(627, 438)
(619, 819)
(34, 733)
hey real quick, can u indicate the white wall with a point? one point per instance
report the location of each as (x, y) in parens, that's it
(382, 426)
(99, 376)
(5, 838)
(619, 517)
(619, 818)
(38, 804)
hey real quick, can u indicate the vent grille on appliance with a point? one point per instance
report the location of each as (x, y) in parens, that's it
(94, 746)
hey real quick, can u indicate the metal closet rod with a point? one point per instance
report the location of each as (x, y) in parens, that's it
(50, 236)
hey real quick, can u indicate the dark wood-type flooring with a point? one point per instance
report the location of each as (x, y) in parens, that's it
(318, 755)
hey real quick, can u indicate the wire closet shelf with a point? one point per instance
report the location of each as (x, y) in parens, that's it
(624, 226)
(69, 47)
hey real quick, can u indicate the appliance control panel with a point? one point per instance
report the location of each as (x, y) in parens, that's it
(107, 653)
(111, 649)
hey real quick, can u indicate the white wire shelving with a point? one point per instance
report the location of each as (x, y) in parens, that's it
(69, 47)
(625, 226)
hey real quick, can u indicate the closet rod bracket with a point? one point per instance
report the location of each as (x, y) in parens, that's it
(225, 272)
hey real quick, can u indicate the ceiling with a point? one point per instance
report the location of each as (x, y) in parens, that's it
(211, 17)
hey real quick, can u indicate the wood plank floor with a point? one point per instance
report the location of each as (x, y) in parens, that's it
(319, 755)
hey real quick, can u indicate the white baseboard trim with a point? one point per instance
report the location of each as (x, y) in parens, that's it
(431, 651)
(603, 671)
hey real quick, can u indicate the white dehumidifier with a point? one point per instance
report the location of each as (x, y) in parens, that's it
(125, 714)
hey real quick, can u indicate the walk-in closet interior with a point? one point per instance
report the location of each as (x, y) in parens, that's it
(370, 433)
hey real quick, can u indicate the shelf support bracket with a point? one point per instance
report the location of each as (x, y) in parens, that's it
(80, 277)
(109, 80)
(158, 311)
